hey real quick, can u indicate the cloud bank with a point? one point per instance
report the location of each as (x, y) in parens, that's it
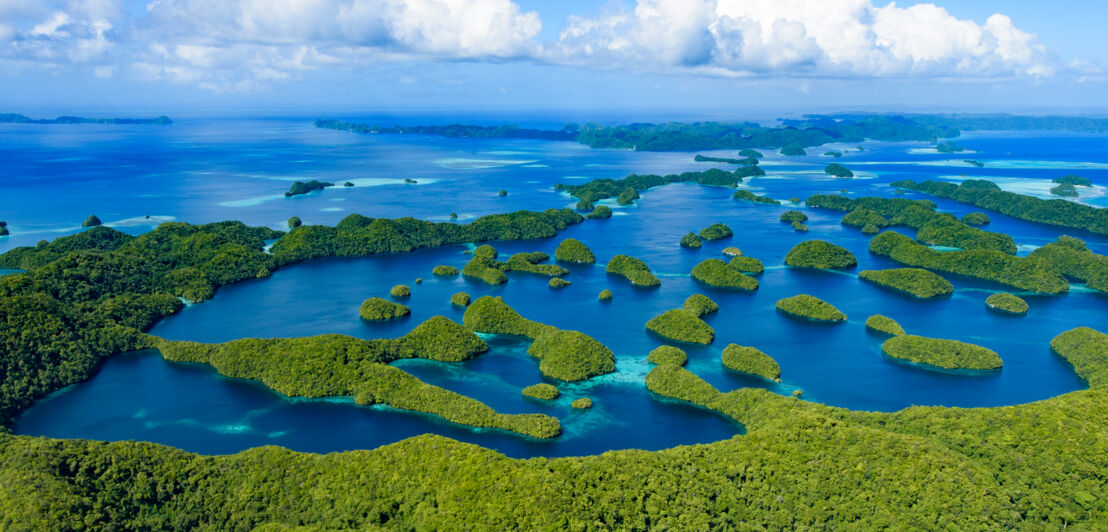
(246, 45)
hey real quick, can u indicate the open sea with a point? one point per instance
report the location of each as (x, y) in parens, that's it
(204, 170)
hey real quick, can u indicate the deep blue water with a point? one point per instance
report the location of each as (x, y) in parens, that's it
(192, 170)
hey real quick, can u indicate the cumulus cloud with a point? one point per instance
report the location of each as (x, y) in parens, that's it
(247, 45)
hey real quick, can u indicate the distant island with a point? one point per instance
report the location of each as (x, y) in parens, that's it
(15, 118)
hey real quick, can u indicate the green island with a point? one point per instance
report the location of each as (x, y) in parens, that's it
(838, 170)
(949, 147)
(359, 369)
(749, 161)
(400, 291)
(932, 227)
(746, 195)
(793, 150)
(444, 270)
(683, 326)
(717, 273)
(485, 267)
(299, 188)
(1007, 303)
(542, 390)
(820, 254)
(793, 216)
(1053, 211)
(915, 281)
(295, 222)
(810, 308)
(633, 270)
(1073, 259)
(91, 221)
(460, 299)
(16, 118)
(732, 251)
(691, 241)
(605, 295)
(834, 153)
(940, 353)
(377, 309)
(581, 403)
(799, 227)
(627, 190)
(1075, 180)
(1065, 190)
(558, 282)
(572, 250)
(976, 218)
(972, 162)
(1025, 273)
(667, 354)
(563, 355)
(749, 265)
(601, 212)
(700, 305)
(884, 325)
(749, 153)
(716, 231)
(751, 361)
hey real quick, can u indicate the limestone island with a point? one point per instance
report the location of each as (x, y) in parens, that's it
(751, 361)
(377, 309)
(581, 403)
(884, 325)
(542, 390)
(715, 272)
(633, 270)
(667, 354)
(700, 305)
(811, 308)
(605, 295)
(940, 353)
(976, 218)
(746, 195)
(838, 170)
(793, 216)
(820, 255)
(558, 282)
(298, 188)
(572, 250)
(749, 265)
(682, 326)
(1006, 303)
(460, 299)
(915, 281)
(400, 291)
(691, 241)
(716, 232)
(443, 270)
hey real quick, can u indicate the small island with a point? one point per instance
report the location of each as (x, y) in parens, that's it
(295, 222)
(810, 308)
(716, 232)
(833, 153)
(443, 270)
(700, 305)
(377, 309)
(749, 265)
(1065, 190)
(682, 326)
(794, 150)
(976, 218)
(558, 282)
(793, 216)
(945, 354)
(751, 361)
(838, 170)
(601, 212)
(715, 272)
(884, 325)
(1074, 180)
(633, 270)
(746, 195)
(667, 355)
(460, 299)
(605, 295)
(691, 241)
(751, 154)
(572, 250)
(820, 254)
(400, 291)
(15, 118)
(581, 403)
(1006, 303)
(949, 147)
(542, 390)
(299, 188)
(915, 281)
(91, 221)
(732, 251)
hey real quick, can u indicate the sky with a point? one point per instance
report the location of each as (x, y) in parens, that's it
(704, 58)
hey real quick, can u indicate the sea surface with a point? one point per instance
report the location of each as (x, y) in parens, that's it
(204, 170)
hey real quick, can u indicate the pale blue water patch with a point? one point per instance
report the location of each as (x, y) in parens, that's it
(5, 271)
(462, 163)
(943, 248)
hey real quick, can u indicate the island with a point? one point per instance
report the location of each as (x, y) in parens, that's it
(793, 216)
(949, 147)
(91, 221)
(295, 222)
(810, 308)
(1065, 190)
(15, 118)
(542, 390)
(605, 295)
(799, 227)
(572, 250)
(732, 251)
(717, 273)
(939, 353)
(682, 326)
(972, 162)
(838, 170)
(558, 282)
(667, 354)
(820, 254)
(633, 270)
(444, 270)
(377, 309)
(1072, 258)
(976, 218)
(1073, 180)
(485, 267)
(793, 150)
(691, 241)
(834, 153)
(716, 231)
(628, 189)
(700, 305)
(751, 154)
(884, 325)
(400, 291)
(749, 265)
(1006, 303)
(746, 195)
(300, 188)
(915, 281)
(751, 361)
(581, 403)
(601, 212)
(460, 299)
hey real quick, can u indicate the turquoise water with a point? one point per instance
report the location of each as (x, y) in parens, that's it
(139, 396)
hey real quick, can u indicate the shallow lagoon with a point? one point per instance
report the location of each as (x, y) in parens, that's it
(141, 397)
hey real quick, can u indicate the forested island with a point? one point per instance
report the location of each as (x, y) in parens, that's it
(15, 118)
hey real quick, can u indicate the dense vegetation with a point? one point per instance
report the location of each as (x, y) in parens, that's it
(716, 231)
(377, 309)
(627, 190)
(746, 195)
(558, 282)
(947, 354)
(838, 170)
(91, 221)
(601, 212)
(793, 150)
(749, 265)
(359, 236)
(581, 403)
(633, 270)
(700, 305)
(667, 354)
(794, 216)
(14, 118)
(542, 390)
(820, 254)
(1008, 303)
(484, 265)
(444, 270)
(884, 325)
(916, 281)
(715, 272)
(460, 299)
(295, 222)
(949, 147)
(749, 161)
(810, 307)
(605, 295)
(400, 291)
(751, 361)
(1025, 273)
(298, 188)
(976, 218)
(1065, 190)
(335, 365)
(1072, 258)
(1054, 212)
(1071, 179)
(572, 250)
(691, 241)
(682, 326)
(563, 355)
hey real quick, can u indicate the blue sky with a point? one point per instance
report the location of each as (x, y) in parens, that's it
(711, 58)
